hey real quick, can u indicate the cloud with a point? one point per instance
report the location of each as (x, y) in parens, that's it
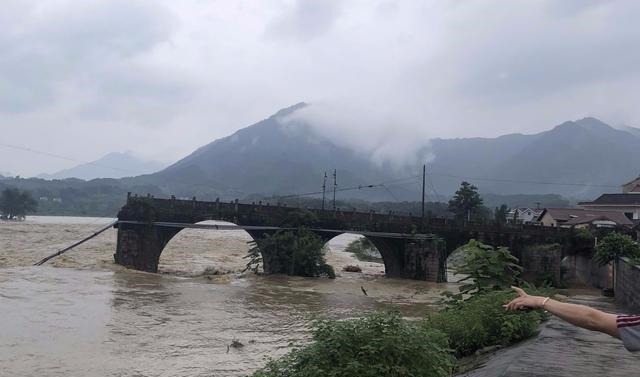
(304, 20)
(164, 77)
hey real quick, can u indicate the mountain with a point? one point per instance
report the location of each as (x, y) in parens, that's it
(272, 157)
(632, 130)
(577, 159)
(113, 165)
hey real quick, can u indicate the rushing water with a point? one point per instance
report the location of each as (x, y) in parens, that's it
(82, 315)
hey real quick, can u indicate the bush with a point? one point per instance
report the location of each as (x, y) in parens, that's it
(487, 268)
(364, 250)
(299, 253)
(380, 344)
(481, 321)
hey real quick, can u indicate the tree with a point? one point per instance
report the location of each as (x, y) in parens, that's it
(299, 253)
(465, 202)
(14, 204)
(500, 214)
(614, 246)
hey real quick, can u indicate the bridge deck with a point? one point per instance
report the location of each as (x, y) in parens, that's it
(240, 227)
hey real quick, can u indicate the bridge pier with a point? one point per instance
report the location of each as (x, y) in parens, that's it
(417, 259)
(139, 246)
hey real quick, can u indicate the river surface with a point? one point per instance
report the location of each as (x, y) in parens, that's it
(82, 315)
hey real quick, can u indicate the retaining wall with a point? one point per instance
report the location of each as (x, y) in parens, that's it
(627, 287)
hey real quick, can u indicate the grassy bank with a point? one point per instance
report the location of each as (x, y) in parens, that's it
(384, 344)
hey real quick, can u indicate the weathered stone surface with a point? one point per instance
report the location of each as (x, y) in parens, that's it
(627, 287)
(140, 245)
(541, 261)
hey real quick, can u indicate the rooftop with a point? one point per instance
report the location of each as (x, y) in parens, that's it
(631, 199)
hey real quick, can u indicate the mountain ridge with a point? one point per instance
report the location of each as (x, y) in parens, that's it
(112, 165)
(274, 157)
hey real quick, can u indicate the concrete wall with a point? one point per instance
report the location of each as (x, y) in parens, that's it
(628, 285)
(581, 271)
(540, 262)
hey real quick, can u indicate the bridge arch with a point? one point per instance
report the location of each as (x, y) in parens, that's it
(205, 251)
(339, 258)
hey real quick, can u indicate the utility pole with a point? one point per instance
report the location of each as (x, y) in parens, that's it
(324, 188)
(424, 174)
(335, 184)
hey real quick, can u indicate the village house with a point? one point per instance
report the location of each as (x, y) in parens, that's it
(523, 215)
(583, 218)
(627, 202)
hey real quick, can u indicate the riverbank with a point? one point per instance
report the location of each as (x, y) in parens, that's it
(564, 350)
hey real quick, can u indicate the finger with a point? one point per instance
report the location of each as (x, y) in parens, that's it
(519, 291)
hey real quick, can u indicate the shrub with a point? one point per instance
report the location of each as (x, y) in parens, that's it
(487, 268)
(583, 234)
(299, 253)
(481, 321)
(364, 250)
(380, 344)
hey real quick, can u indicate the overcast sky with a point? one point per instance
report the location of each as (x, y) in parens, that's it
(161, 77)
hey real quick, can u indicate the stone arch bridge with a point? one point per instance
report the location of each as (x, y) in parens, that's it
(409, 249)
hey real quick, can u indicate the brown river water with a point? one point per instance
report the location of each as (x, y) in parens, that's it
(82, 315)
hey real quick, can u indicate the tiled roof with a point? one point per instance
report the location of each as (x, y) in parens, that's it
(615, 199)
(562, 214)
(591, 216)
(573, 216)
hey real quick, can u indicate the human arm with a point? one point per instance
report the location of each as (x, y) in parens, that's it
(579, 315)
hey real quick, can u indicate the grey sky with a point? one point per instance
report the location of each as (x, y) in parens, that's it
(162, 77)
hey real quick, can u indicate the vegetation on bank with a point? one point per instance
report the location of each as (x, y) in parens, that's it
(15, 204)
(379, 344)
(385, 344)
(300, 253)
(364, 250)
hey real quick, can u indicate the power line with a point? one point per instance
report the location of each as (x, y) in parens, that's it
(392, 182)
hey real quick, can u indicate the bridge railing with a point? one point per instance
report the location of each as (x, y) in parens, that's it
(234, 211)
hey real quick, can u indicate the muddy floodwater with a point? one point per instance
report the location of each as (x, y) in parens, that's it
(82, 315)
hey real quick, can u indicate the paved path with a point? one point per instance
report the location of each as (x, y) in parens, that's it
(563, 350)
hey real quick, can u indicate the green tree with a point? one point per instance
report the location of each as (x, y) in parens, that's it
(500, 214)
(299, 253)
(15, 204)
(466, 201)
(614, 246)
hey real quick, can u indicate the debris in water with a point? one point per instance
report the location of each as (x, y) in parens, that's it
(352, 268)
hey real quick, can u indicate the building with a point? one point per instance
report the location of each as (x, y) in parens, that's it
(582, 218)
(627, 202)
(632, 187)
(523, 215)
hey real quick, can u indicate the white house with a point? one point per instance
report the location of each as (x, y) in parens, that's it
(523, 215)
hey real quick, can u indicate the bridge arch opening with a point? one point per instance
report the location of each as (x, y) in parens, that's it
(195, 252)
(350, 249)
